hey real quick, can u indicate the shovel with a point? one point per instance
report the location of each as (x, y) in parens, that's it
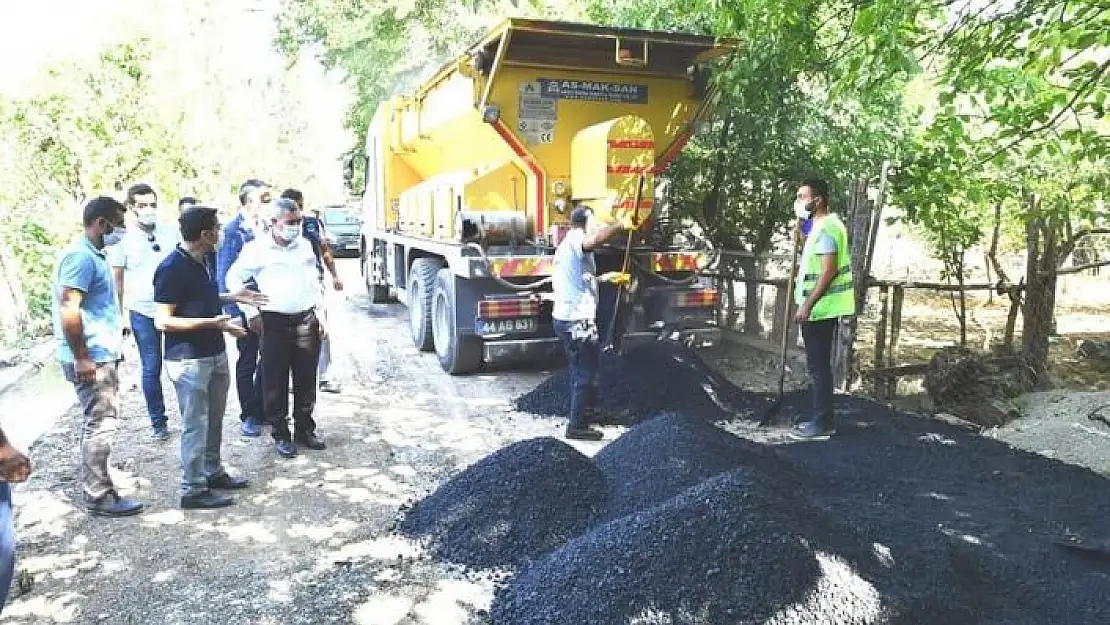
(776, 405)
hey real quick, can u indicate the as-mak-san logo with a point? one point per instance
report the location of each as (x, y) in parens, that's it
(592, 90)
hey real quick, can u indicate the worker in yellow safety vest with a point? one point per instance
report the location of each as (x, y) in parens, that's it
(824, 294)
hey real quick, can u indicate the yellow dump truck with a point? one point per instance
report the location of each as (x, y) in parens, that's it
(470, 182)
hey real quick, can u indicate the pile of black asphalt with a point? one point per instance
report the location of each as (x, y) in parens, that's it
(897, 519)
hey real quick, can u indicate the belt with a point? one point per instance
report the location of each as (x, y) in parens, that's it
(297, 315)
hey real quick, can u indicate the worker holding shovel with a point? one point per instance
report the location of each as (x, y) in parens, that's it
(574, 290)
(823, 293)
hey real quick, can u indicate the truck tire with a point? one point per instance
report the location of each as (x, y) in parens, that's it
(458, 353)
(378, 293)
(422, 280)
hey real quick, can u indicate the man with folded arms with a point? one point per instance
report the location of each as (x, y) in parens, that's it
(283, 265)
(189, 314)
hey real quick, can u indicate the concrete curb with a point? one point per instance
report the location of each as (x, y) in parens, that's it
(38, 356)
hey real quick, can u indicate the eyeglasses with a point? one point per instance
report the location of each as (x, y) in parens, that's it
(153, 243)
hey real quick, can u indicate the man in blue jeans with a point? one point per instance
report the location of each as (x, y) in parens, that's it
(255, 198)
(133, 262)
(14, 468)
(196, 359)
(574, 288)
(89, 333)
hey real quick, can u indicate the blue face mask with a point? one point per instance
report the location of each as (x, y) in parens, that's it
(115, 236)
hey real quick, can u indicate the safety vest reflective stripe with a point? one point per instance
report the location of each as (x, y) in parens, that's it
(833, 288)
(839, 272)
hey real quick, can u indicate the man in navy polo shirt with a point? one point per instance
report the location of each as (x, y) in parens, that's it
(189, 314)
(255, 197)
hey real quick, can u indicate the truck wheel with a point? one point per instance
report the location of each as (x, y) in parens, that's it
(379, 293)
(422, 280)
(458, 353)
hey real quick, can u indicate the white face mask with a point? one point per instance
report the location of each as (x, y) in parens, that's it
(148, 218)
(115, 236)
(803, 209)
(290, 233)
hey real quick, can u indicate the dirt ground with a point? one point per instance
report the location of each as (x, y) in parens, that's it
(311, 541)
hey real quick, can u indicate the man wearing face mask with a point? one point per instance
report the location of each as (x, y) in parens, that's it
(189, 312)
(89, 331)
(255, 197)
(284, 267)
(133, 263)
(824, 294)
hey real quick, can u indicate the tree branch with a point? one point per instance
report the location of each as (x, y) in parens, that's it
(1029, 132)
(1078, 268)
(1069, 245)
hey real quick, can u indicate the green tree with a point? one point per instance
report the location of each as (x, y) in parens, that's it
(1032, 78)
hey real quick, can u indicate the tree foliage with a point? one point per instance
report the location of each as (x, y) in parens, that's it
(163, 99)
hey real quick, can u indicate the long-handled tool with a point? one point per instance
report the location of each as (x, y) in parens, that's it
(610, 342)
(776, 405)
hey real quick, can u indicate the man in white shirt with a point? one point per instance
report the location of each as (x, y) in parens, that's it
(283, 265)
(574, 313)
(133, 263)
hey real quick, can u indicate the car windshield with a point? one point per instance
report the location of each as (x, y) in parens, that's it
(339, 217)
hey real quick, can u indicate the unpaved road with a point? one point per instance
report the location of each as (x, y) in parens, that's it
(311, 540)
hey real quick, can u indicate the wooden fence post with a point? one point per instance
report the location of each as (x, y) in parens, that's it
(881, 385)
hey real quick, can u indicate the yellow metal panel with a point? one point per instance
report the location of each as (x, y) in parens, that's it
(503, 188)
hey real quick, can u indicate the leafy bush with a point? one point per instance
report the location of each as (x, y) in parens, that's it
(35, 248)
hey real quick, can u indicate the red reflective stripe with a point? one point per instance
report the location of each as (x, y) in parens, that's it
(509, 138)
(672, 152)
(632, 144)
(629, 169)
(629, 204)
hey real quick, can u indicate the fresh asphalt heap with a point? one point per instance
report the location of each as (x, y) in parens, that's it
(896, 520)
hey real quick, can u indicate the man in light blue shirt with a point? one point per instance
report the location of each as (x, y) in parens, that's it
(133, 263)
(89, 331)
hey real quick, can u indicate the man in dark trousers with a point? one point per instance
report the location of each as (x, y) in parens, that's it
(574, 291)
(89, 330)
(255, 198)
(313, 231)
(283, 266)
(824, 293)
(189, 313)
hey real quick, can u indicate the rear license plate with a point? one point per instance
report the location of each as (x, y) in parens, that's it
(523, 325)
(352, 246)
